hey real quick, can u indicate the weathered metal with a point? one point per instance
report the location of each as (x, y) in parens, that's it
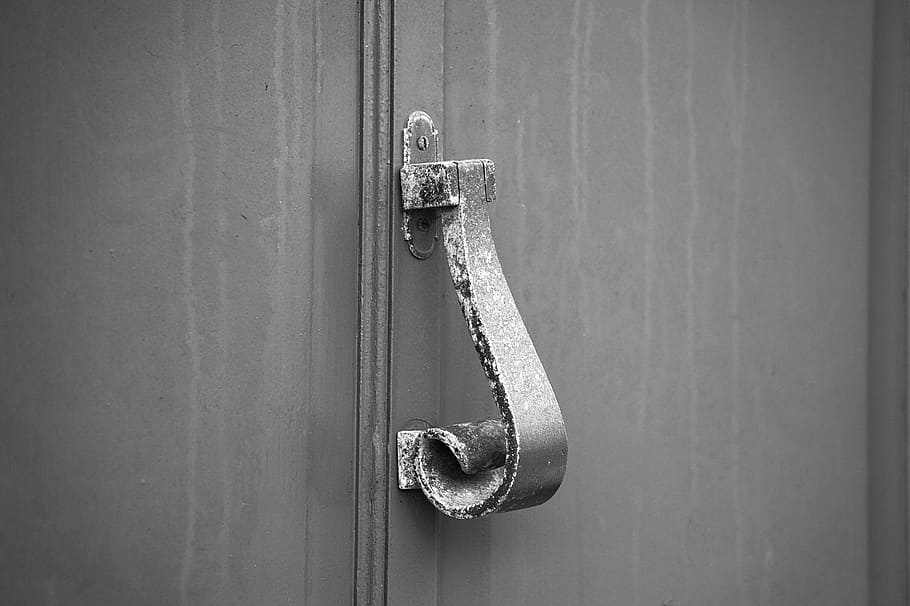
(428, 185)
(421, 144)
(470, 470)
(478, 446)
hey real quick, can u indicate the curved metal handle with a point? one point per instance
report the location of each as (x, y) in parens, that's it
(474, 469)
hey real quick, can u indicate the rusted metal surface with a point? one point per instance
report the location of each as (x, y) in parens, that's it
(428, 185)
(477, 446)
(407, 450)
(421, 144)
(474, 469)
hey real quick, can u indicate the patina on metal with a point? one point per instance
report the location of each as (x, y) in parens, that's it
(473, 469)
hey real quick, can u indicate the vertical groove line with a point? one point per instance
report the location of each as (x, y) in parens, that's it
(374, 313)
(389, 256)
(887, 339)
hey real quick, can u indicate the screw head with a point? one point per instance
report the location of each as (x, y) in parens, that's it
(422, 143)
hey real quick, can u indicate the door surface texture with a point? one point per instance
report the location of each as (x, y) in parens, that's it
(212, 329)
(180, 207)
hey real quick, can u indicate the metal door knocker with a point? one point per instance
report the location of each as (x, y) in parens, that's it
(474, 469)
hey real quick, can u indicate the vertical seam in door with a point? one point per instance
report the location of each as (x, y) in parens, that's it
(886, 377)
(374, 342)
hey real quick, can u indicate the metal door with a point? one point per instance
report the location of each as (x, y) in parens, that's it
(683, 203)
(180, 250)
(212, 328)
